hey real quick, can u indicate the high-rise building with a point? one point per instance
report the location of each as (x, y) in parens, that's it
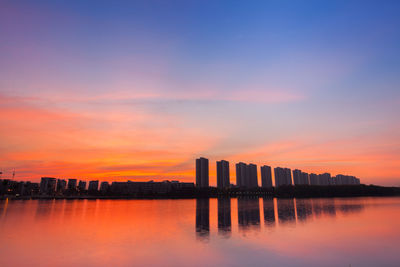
(341, 179)
(300, 178)
(314, 179)
(223, 180)
(202, 174)
(282, 176)
(279, 176)
(304, 178)
(93, 186)
(336, 180)
(241, 174)
(324, 179)
(104, 187)
(266, 176)
(288, 176)
(253, 177)
(246, 175)
(61, 185)
(82, 186)
(354, 180)
(297, 178)
(48, 185)
(72, 183)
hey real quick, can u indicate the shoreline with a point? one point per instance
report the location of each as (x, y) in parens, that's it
(177, 198)
(212, 192)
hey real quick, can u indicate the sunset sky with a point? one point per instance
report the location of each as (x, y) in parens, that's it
(117, 90)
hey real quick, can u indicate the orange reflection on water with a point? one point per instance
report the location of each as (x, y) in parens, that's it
(298, 232)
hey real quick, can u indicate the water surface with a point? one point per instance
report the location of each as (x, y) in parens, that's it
(203, 232)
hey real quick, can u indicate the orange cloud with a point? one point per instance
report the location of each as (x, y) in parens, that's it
(118, 143)
(41, 141)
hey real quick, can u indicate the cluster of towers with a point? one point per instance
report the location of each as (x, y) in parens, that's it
(50, 185)
(246, 176)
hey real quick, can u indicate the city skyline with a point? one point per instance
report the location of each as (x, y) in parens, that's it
(133, 90)
(247, 176)
(250, 176)
(246, 182)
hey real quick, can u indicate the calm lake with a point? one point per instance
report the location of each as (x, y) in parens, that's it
(204, 232)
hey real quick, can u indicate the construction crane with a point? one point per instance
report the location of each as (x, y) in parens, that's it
(4, 172)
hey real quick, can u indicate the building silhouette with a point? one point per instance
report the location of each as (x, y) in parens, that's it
(47, 185)
(61, 185)
(202, 173)
(282, 176)
(93, 186)
(288, 174)
(314, 179)
(304, 178)
(150, 187)
(297, 177)
(82, 186)
(241, 174)
(300, 178)
(246, 175)
(253, 176)
(72, 184)
(12, 187)
(266, 176)
(341, 179)
(104, 187)
(223, 180)
(279, 176)
(324, 179)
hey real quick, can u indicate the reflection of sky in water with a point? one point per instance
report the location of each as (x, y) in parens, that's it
(294, 232)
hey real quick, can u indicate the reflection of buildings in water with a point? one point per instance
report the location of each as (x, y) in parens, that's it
(203, 217)
(303, 209)
(248, 212)
(93, 210)
(44, 208)
(269, 211)
(323, 206)
(351, 208)
(286, 211)
(224, 215)
(328, 207)
(316, 206)
(3, 208)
